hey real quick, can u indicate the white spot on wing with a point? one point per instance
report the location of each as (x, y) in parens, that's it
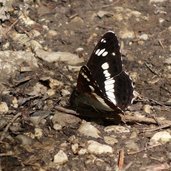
(111, 96)
(106, 73)
(91, 87)
(109, 87)
(97, 51)
(105, 53)
(110, 81)
(105, 66)
(100, 52)
(103, 40)
(113, 53)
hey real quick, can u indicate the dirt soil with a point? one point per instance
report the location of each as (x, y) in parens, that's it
(35, 135)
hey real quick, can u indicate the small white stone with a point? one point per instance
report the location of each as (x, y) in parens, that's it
(60, 158)
(117, 129)
(160, 137)
(57, 126)
(143, 37)
(82, 151)
(38, 132)
(97, 148)
(157, 1)
(3, 107)
(147, 109)
(89, 130)
(167, 61)
(110, 140)
(74, 148)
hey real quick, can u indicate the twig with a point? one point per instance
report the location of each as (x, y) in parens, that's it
(150, 69)
(161, 44)
(158, 128)
(124, 118)
(10, 153)
(9, 124)
(12, 25)
(121, 160)
(144, 149)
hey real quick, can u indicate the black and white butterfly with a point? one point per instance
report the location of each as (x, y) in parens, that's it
(102, 84)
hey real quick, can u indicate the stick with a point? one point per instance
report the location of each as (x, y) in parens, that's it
(124, 118)
(9, 124)
(121, 159)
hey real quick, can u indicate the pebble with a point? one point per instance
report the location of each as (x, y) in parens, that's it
(126, 34)
(88, 130)
(64, 119)
(110, 140)
(3, 122)
(131, 146)
(3, 107)
(116, 129)
(160, 137)
(97, 148)
(11, 61)
(147, 109)
(60, 158)
(143, 37)
(157, 1)
(24, 139)
(52, 33)
(38, 132)
(74, 148)
(101, 14)
(57, 127)
(66, 57)
(82, 151)
(167, 61)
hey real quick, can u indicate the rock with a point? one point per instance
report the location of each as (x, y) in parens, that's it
(147, 109)
(68, 58)
(38, 89)
(57, 127)
(88, 130)
(3, 122)
(77, 21)
(64, 119)
(74, 148)
(60, 158)
(160, 137)
(167, 61)
(52, 33)
(116, 129)
(24, 139)
(26, 20)
(101, 14)
(143, 36)
(132, 146)
(126, 34)
(122, 13)
(110, 140)
(38, 132)
(97, 148)
(11, 61)
(65, 92)
(3, 107)
(82, 151)
(157, 1)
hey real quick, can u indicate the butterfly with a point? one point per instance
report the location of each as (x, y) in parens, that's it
(102, 84)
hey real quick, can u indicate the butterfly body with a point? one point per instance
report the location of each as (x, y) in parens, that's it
(102, 84)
